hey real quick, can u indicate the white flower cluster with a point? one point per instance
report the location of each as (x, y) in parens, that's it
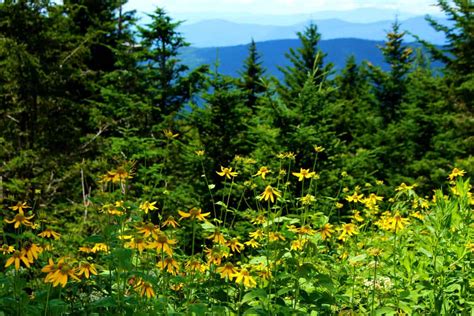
(381, 283)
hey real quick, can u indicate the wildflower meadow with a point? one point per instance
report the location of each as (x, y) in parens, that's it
(267, 251)
(141, 174)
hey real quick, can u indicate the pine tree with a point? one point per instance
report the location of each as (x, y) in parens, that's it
(43, 78)
(307, 61)
(252, 76)
(390, 87)
(221, 122)
(356, 115)
(163, 75)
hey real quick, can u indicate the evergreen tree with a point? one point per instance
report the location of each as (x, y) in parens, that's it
(458, 53)
(98, 22)
(43, 76)
(356, 115)
(222, 122)
(306, 61)
(163, 75)
(352, 81)
(454, 140)
(390, 87)
(252, 76)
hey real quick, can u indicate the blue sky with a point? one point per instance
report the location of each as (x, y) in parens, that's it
(280, 6)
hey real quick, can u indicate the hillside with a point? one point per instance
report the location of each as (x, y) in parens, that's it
(219, 32)
(273, 54)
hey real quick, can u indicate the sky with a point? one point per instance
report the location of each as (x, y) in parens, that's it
(280, 7)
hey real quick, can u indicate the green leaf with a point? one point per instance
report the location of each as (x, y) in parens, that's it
(453, 288)
(220, 203)
(197, 309)
(252, 295)
(105, 302)
(94, 239)
(255, 311)
(426, 252)
(385, 311)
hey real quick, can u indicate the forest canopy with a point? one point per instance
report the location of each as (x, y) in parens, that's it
(94, 101)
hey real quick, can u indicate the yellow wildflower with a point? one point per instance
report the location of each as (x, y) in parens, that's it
(308, 199)
(85, 249)
(355, 197)
(20, 207)
(318, 149)
(217, 237)
(100, 247)
(304, 174)
(169, 134)
(194, 213)
(243, 276)
(258, 234)
(147, 206)
(144, 288)
(298, 244)
(252, 243)
(275, 236)
(215, 255)
(456, 173)
(306, 230)
(403, 187)
(227, 172)
(270, 193)
(59, 273)
(148, 229)
(170, 264)
(32, 251)
(195, 265)
(260, 219)
(20, 219)
(170, 221)
(6, 249)
(17, 258)
(87, 269)
(358, 217)
(262, 172)
(418, 215)
(397, 222)
(49, 233)
(136, 243)
(235, 245)
(347, 230)
(326, 231)
(163, 244)
(227, 271)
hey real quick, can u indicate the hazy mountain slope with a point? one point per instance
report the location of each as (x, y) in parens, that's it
(212, 33)
(360, 15)
(273, 54)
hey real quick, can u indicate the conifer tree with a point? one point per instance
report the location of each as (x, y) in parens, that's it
(306, 61)
(252, 76)
(163, 75)
(356, 116)
(43, 76)
(221, 122)
(390, 86)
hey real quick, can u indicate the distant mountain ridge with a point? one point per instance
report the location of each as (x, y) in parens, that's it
(359, 15)
(230, 59)
(218, 32)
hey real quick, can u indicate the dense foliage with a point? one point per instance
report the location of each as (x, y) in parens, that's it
(313, 195)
